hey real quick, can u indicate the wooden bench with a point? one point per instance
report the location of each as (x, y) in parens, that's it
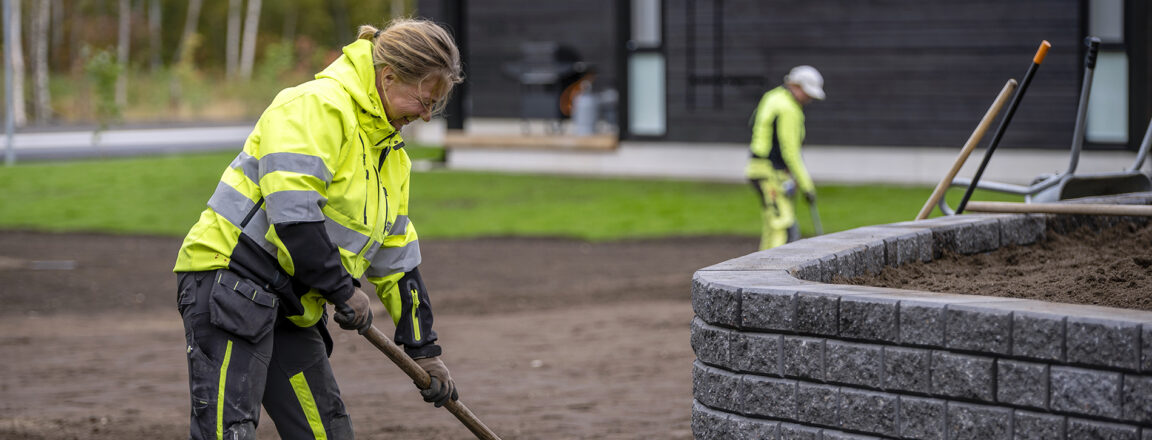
(599, 142)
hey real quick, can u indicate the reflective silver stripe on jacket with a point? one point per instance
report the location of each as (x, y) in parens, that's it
(234, 206)
(230, 203)
(400, 227)
(345, 238)
(393, 260)
(295, 163)
(248, 165)
(295, 206)
(254, 168)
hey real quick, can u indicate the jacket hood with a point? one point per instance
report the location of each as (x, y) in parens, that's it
(354, 71)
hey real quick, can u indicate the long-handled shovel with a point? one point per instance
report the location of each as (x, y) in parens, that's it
(815, 218)
(413, 370)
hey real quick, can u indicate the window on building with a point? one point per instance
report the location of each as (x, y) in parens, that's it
(647, 114)
(1107, 118)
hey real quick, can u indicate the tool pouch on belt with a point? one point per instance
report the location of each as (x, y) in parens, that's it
(241, 307)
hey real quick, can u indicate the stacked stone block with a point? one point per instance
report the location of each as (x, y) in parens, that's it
(781, 354)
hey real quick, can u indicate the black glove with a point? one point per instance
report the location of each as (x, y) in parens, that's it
(810, 197)
(355, 313)
(442, 387)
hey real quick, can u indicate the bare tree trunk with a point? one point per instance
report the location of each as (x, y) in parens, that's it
(232, 51)
(42, 102)
(57, 24)
(248, 52)
(340, 22)
(155, 38)
(122, 48)
(12, 29)
(190, 24)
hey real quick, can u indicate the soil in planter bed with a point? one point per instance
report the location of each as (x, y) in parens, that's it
(1110, 267)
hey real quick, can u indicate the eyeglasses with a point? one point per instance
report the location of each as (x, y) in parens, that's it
(426, 105)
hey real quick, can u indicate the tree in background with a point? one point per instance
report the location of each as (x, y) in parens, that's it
(42, 96)
(103, 71)
(175, 51)
(232, 44)
(12, 33)
(123, 44)
(191, 20)
(155, 37)
(248, 52)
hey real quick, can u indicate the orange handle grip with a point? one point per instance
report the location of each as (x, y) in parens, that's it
(1041, 52)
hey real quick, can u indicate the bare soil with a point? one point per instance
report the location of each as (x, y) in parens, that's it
(1110, 267)
(546, 338)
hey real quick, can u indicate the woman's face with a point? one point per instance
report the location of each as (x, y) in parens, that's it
(403, 102)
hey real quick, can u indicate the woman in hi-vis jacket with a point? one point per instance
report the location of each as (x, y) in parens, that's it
(317, 199)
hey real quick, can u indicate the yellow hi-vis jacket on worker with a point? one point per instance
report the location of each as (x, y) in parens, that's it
(777, 134)
(318, 198)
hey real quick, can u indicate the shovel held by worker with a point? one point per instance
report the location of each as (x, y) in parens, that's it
(420, 377)
(815, 217)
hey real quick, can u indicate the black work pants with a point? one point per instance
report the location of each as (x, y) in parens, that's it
(242, 352)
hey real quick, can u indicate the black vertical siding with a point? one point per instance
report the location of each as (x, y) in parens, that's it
(897, 72)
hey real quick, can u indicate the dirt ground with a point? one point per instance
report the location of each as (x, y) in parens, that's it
(1110, 267)
(546, 338)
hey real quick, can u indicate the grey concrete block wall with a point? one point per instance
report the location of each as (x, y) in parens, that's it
(782, 354)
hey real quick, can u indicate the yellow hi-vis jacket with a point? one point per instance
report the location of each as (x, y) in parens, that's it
(777, 133)
(318, 198)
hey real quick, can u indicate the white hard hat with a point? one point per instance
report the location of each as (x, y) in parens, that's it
(809, 80)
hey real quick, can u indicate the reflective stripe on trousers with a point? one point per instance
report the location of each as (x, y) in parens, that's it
(242, 353)
(778, 214)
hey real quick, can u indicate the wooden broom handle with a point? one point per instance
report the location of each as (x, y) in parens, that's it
(1062, 208)
(973, 140)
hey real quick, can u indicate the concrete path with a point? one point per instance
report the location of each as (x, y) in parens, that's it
(126, 142)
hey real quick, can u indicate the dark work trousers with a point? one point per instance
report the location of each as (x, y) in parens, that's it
(243, 352)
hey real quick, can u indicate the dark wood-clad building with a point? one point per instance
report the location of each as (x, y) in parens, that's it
(897, 72)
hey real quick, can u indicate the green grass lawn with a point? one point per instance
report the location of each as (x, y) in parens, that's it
(164, 195)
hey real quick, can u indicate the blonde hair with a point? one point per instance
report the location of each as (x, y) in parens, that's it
(416, 50)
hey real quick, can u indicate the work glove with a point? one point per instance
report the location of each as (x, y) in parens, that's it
(810, 197)
(442, 386)
(355, 313)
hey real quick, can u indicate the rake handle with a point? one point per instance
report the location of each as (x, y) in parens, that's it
(1062, 208)
(1036, 60)
(413, 370)
(973, 141)
(398, 356)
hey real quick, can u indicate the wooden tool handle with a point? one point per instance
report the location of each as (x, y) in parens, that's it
(413, 370)
(1062, 208)
(1044, 45)
(973, 140)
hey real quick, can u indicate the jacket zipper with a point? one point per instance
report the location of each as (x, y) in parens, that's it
(364, 161)
(383, 155)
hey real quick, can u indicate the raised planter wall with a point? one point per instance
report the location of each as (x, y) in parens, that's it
(781, 354)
